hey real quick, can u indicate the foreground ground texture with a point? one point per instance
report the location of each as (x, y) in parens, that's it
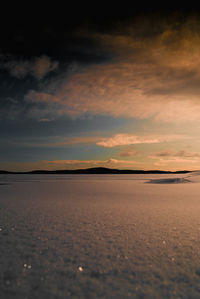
(100, 236)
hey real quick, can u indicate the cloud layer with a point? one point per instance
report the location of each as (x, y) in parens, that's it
(155, 75)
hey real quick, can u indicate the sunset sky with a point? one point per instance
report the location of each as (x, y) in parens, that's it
(110, 91)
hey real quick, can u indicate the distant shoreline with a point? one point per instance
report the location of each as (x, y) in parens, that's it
(96, 170)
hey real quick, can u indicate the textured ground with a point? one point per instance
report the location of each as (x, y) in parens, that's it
(106, 236)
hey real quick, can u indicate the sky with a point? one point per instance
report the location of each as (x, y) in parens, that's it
(117, 91)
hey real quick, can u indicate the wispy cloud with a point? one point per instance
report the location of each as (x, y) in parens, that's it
(125, 139)
(180, 154)
(42, 66)
(129, 152)
(37, 67)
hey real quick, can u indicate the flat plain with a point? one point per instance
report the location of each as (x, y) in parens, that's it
(100, 236)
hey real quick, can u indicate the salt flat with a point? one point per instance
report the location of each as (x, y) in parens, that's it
(100, 236)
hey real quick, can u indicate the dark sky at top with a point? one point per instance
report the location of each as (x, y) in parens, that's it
(38, 29)
(35, 30)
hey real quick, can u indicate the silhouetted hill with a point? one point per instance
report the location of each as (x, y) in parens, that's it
(95, 170)
(4, 172)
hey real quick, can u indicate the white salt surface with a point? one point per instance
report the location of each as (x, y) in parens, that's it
(100, 236)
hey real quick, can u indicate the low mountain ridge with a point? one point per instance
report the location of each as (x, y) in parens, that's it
(95, 170)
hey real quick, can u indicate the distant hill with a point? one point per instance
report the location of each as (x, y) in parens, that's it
(95, 170)
(4, 172)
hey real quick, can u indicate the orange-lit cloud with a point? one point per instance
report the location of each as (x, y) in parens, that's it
(154, 76)
(125, 139)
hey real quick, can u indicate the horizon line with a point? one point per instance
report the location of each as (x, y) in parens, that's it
(100, 169)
